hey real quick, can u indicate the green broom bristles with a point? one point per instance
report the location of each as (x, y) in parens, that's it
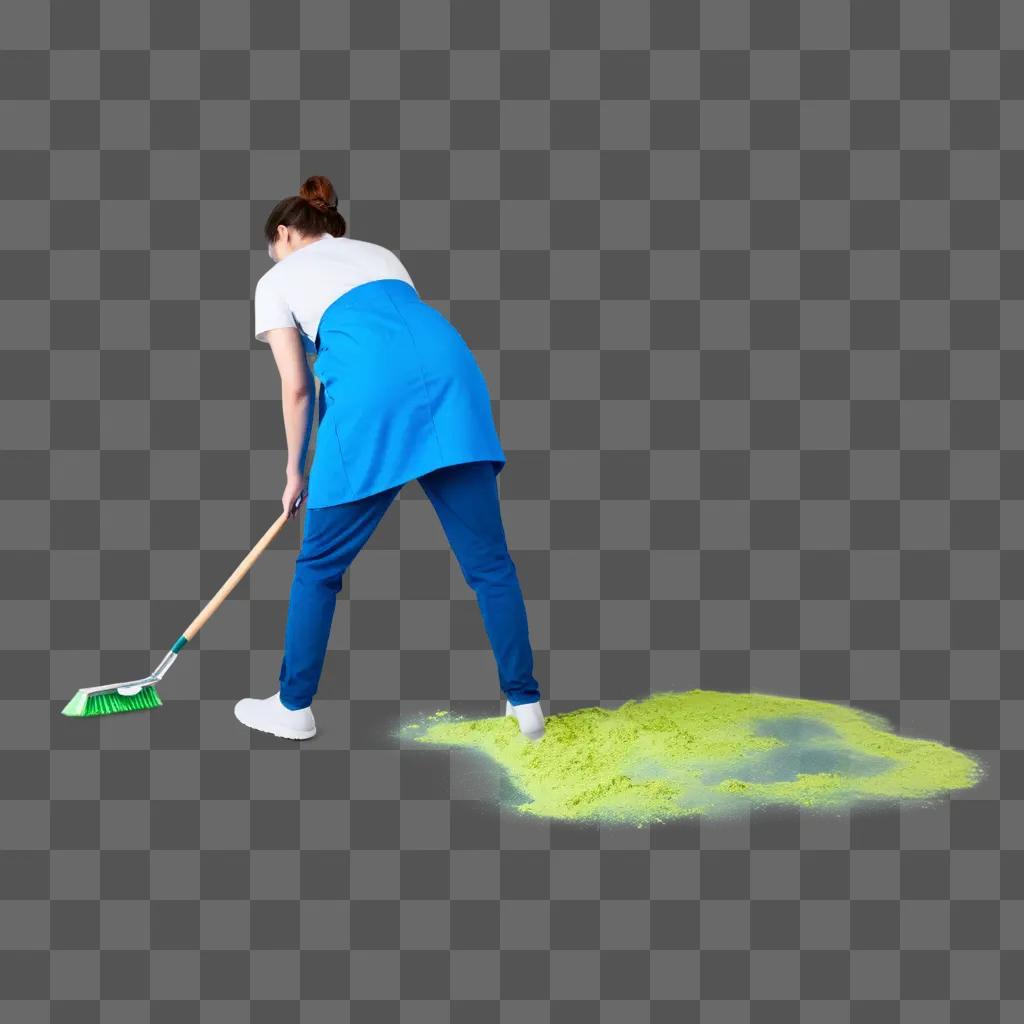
(107, 702)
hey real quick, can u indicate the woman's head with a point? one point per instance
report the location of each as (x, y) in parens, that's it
(297, 220)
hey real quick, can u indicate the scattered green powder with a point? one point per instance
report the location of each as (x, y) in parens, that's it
(703, 752)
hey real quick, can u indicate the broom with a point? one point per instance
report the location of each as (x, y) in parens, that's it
(140, 694)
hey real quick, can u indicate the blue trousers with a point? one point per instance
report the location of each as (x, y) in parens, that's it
(465, 497)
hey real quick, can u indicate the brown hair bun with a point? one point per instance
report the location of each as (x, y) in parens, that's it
(312, 212)
(319, 193)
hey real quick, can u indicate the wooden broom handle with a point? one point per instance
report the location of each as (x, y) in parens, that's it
(232, 581)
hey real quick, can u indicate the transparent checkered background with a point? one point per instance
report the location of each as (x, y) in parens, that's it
(745, 280)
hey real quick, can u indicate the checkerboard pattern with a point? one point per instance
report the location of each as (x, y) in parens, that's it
(745, 278)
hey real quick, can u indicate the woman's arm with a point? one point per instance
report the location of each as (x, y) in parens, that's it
(297, 394)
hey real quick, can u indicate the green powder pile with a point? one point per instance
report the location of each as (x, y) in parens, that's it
(675, 754)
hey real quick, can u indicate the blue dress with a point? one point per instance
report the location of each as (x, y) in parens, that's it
(401, 395)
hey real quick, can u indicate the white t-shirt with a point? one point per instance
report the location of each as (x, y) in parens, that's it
(297, 290)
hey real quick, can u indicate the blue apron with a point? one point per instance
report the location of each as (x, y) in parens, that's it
(401, 395)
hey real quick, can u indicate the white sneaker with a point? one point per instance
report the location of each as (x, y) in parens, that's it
(530, 716)
(270, 715)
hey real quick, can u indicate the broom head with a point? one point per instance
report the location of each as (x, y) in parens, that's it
(108, 702)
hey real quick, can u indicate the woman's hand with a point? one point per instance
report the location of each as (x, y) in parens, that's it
(294, 493)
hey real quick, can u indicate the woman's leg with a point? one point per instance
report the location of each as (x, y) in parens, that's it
(465, 497)
(332, 538)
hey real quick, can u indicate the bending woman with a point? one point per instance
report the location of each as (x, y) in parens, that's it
(402, 398)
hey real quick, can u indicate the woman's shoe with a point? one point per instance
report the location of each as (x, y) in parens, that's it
(530, 717)
(270, 715)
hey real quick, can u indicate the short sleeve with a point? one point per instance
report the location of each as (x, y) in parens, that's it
(399, 269)
(271, 310)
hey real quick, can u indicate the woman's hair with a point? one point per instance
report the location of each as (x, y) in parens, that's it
(314, 211)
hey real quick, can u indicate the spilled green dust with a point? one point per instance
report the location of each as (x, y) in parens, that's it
(703, 752)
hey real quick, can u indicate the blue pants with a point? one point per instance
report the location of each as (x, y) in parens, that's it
(465, 497)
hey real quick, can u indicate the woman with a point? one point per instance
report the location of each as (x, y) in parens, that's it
(401, 398)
